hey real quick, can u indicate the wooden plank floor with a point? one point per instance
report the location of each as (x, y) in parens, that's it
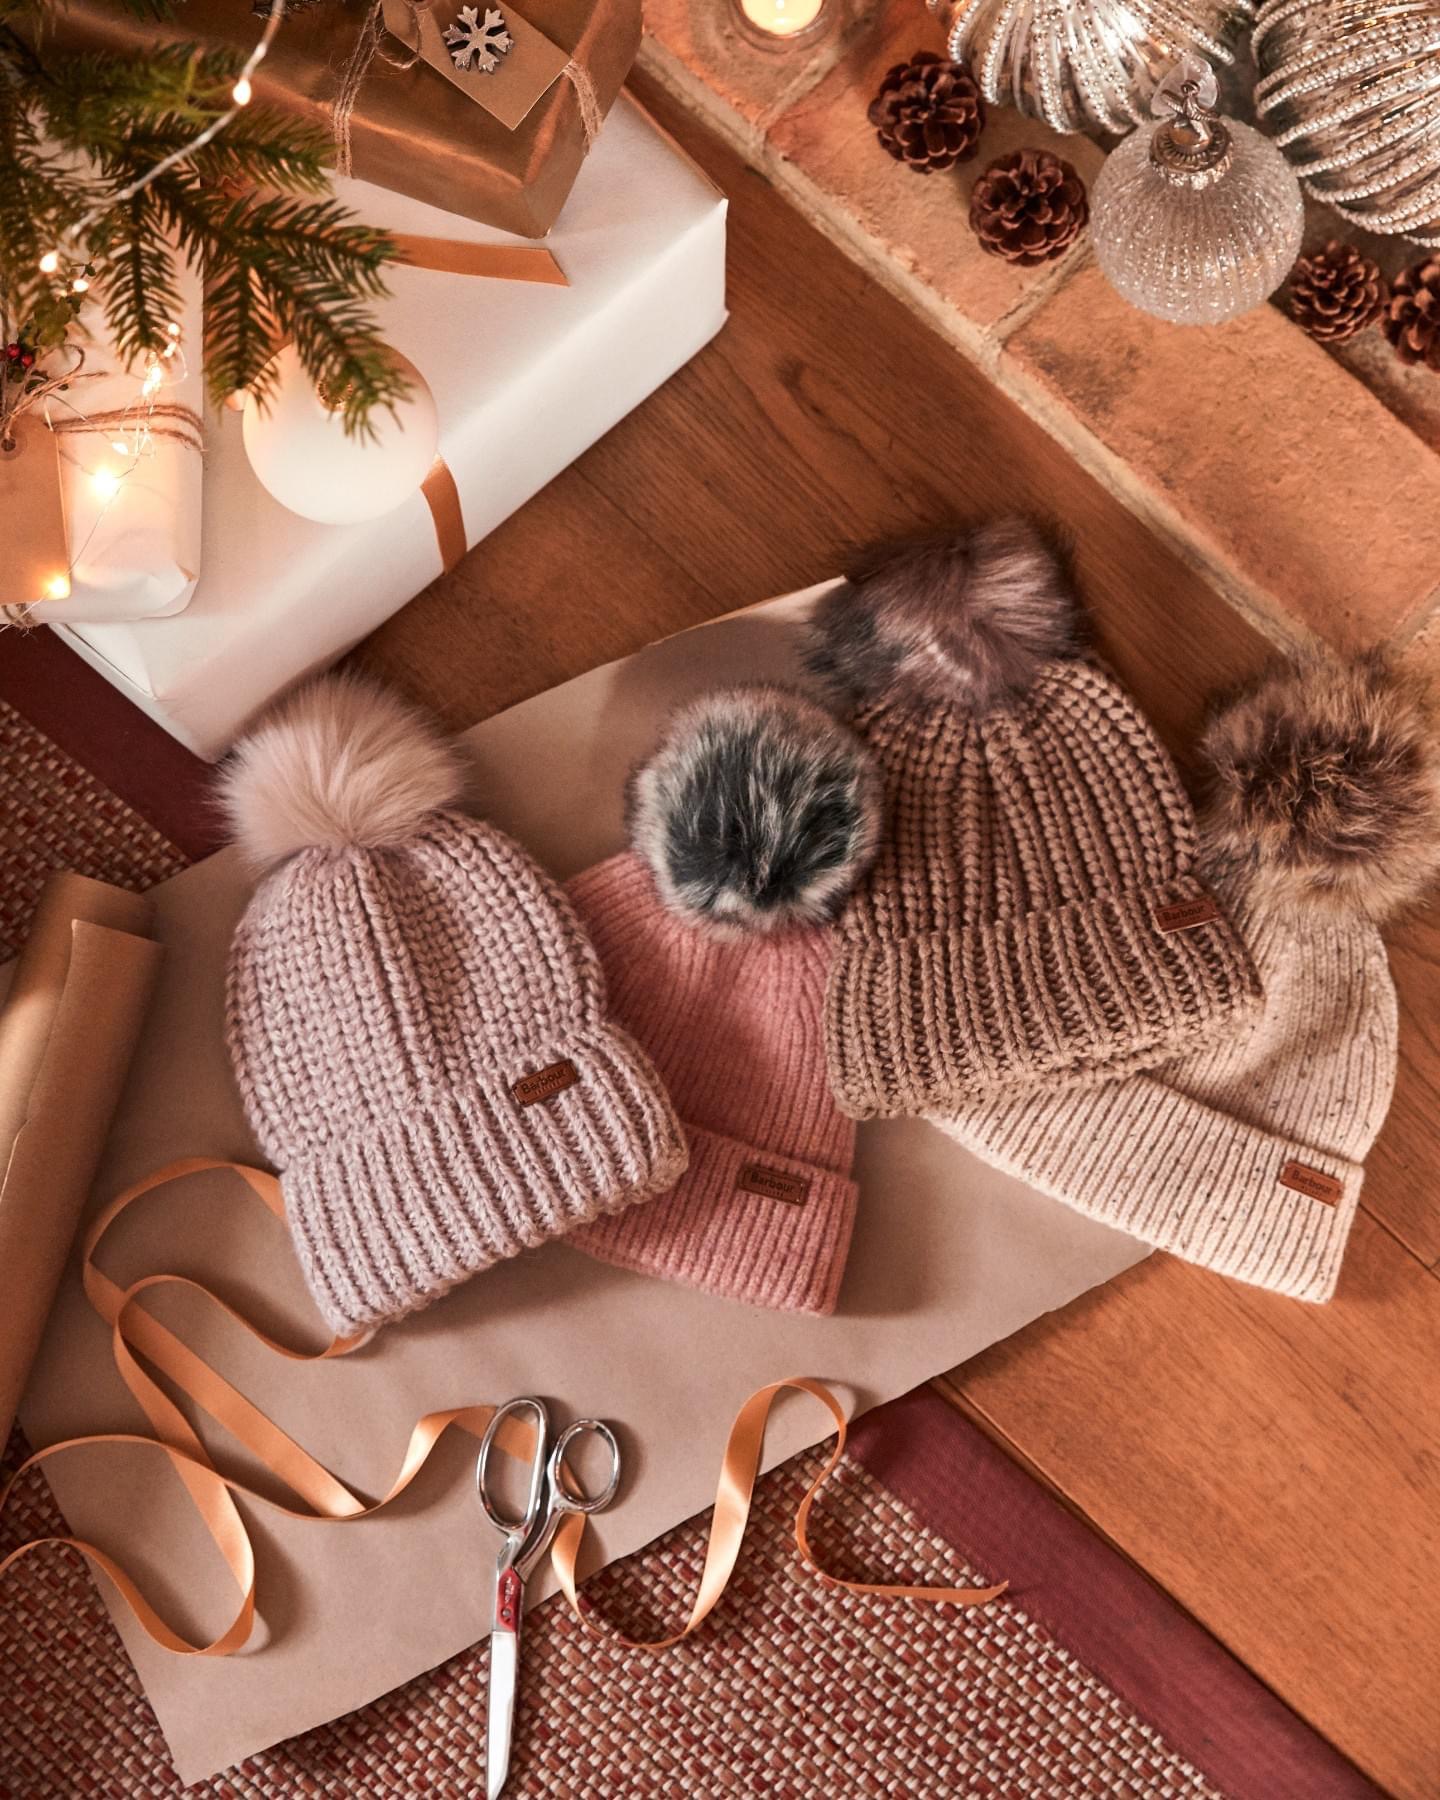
(1275, 1467)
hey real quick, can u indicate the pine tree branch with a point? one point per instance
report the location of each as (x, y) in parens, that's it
(291, 264)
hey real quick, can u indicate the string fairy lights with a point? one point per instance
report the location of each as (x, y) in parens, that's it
(241, 94)
(130, 432)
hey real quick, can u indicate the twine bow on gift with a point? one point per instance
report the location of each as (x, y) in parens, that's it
(138, 1339)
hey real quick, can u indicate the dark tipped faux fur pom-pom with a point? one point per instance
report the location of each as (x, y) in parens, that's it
(1325, 786)
(965, 618)
(757, 811)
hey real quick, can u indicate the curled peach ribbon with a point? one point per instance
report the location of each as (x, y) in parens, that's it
(738, 1471)
(135, 1333)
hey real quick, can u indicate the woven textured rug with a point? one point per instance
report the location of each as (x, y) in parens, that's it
(1084, 1680)
(54, 814)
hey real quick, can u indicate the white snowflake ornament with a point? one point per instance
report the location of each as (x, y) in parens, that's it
(477, 43)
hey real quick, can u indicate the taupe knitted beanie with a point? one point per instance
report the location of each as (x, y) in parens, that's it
(417, 1021)
(1033, 919)
(1246, 1157)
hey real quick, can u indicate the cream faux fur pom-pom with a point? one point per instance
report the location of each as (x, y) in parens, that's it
(342, 761)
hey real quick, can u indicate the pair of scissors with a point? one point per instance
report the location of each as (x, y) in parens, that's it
(554, 1491)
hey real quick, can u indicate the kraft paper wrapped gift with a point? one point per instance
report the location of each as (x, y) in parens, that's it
(526, 377)
(948, 1256)
(500, 146)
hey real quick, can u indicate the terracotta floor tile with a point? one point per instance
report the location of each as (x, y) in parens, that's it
(1335, 525)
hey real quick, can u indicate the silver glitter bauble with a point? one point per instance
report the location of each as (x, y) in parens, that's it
(1199, 219)
(1351, 89)
(1085, 65)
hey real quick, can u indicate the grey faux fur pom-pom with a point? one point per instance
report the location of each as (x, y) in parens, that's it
(758, 811)
(962, 618)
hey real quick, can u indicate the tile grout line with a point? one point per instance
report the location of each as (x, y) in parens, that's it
(1038, 297)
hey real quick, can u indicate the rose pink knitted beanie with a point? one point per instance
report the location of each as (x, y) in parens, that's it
(1033, 919)
(1246, 1156)
(417, 1022)
(755, 815)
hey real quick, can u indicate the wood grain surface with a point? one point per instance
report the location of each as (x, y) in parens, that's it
(1276, 1467)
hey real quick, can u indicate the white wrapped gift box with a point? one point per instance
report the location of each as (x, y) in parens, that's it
(525, 377)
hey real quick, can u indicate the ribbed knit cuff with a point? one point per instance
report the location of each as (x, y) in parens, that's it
(1047, 999)
(744, 1224)
(386, 1221)
(1166, 1168)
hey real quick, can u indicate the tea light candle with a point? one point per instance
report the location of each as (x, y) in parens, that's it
(780, 18)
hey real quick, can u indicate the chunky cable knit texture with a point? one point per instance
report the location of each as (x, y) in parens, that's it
(383, 1004)
(1200, 1157)
(764, 1212)
(1010, 935)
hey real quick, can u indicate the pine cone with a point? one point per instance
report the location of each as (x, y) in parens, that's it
(1412, 319)
(1028, 207)
(1337, 292)
(928, 113)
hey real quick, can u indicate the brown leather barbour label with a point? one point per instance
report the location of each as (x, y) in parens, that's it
(1315, 1184)
(774, 1184)
(546, 1083)
(1185, 915)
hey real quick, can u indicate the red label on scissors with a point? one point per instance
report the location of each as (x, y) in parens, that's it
(507, 1602)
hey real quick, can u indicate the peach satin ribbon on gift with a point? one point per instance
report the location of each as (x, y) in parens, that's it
(133, 1330)
(531, 263)
(489, 262)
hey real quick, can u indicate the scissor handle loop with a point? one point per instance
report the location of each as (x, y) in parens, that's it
(535, 1499)
(569, 1498)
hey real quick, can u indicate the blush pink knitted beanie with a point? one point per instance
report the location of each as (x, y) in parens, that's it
(1247, 1155)
(417, 1022)
(755, 815)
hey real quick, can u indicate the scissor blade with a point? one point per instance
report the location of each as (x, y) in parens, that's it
(500, 1725)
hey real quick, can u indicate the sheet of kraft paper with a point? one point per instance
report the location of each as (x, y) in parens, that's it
(948, 1257)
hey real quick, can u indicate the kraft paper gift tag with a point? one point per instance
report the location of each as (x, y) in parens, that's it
(33, 548)
(70, 1022)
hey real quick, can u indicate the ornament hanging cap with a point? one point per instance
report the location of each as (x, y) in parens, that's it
(1193, 147)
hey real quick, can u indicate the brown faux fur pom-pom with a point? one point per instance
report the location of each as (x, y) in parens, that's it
(1325, 785)
(964, 618)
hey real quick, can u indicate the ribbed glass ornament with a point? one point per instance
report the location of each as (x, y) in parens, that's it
(1351, 89)
(1085, 65)
(1197, 254)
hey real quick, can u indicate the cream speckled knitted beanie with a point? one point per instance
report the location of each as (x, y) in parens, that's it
(1246, 1157)
(755, 816)
(417, 1021)
(1033, 919)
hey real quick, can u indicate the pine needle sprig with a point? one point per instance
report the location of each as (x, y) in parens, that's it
(280, 258)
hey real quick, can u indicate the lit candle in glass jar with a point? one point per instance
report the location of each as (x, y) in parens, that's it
(780, 19)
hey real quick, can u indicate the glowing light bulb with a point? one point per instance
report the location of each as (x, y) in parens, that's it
(242, 91)
(119, 446)
(49, 263)
(172, 330)
(106, 483)
(58, 587)
(154, 378)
